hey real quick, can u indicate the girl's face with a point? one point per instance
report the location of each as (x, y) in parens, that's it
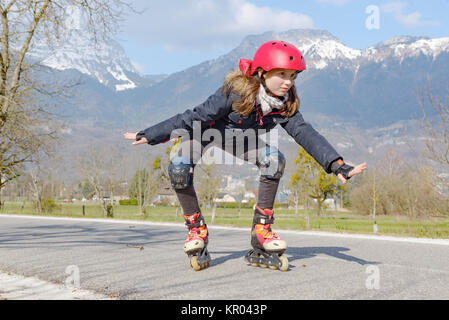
(279, 81)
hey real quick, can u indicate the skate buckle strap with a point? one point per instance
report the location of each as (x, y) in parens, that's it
(263, 219)
(194, 222)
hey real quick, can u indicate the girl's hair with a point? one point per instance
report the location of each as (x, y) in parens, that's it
(247, 88)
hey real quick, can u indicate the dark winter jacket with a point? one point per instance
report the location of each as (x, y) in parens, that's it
(217, 112)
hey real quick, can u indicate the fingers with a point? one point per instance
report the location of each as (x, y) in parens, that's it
(141, 141)
(130, 136)
(357, 170)
(360, 168)
(341, 178)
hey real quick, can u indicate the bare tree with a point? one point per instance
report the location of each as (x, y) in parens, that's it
(136, 188)
(208, 183)
(147, 180)
(397, 188)
(437, 129)
(116, 169)
(97, 168)
(25, 126)
(297, 189)
(36, 188)
(153, 184)
(40, 184)
(374, 195)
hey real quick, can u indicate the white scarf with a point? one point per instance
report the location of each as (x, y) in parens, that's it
(268, 102)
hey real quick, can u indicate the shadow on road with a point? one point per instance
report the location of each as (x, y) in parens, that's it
(230, 255)
(78, 234)
(296, 253)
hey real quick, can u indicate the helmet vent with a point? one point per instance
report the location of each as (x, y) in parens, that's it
(291, 58)
(273, 43)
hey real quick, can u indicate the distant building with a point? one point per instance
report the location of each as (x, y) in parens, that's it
(250, 196)
(224, 197)
(282, 197)
(234, 185)
(118, 198)
(165, 196)
(329, 203)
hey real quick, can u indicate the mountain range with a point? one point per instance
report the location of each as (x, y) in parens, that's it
(358, 99)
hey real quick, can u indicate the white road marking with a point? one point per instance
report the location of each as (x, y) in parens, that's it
(16, 287)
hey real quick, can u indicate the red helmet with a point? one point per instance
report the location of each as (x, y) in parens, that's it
(273, 55)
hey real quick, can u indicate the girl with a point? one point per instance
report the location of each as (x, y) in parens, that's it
(253, 100)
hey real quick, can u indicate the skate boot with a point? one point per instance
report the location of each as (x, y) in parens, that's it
(196, 242)
(268, 247)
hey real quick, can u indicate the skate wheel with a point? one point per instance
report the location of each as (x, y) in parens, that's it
(263, 266)
(194, 263)
(205, 265)
(273, 267)
(284, 266)
(255, 264)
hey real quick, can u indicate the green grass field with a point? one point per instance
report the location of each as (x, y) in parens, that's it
(345, 222)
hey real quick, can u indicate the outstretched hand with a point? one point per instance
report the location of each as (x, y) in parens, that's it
(132, 136)
(357, 170)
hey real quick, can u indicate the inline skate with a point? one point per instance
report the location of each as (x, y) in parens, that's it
(268, 247)
(195, 245)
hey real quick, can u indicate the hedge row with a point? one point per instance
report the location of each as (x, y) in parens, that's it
(128, 202)
(231, 205)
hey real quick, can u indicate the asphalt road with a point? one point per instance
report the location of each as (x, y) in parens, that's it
(135, 260)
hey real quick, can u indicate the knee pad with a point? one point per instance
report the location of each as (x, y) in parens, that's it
(271, 163)
(180, 172)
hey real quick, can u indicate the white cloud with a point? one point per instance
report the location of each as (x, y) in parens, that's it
(195, 24)
(394, 7)
(138, 66)
(411, 20)
(334, 2)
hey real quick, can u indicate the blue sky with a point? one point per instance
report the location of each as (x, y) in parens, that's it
(170, 36)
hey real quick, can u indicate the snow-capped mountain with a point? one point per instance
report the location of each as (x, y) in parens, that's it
(373, 86)
(321, 49)
(107, 62)
(104, 60)
(405, 47)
